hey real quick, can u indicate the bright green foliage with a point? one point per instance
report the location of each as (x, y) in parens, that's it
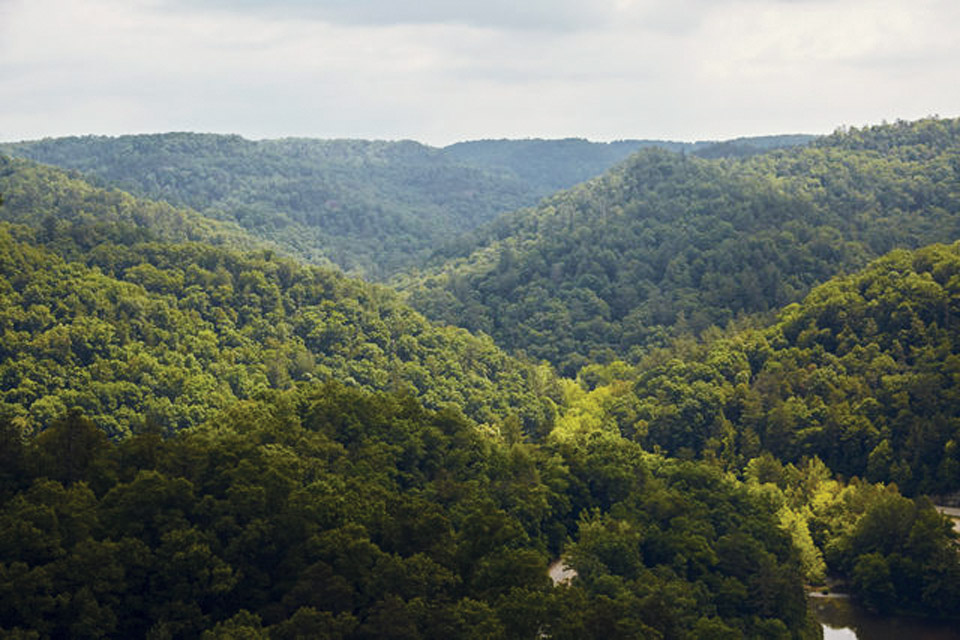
(162, 336)
(336, 513)
(896, 554)
(668, 243)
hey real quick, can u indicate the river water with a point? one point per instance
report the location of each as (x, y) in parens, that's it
(842, 619)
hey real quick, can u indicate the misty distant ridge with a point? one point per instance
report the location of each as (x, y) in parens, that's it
(487, 148)
(371, 207)
(548, 164)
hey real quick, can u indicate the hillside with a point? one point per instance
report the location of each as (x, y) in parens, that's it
(200, 438)
(859, 378)
(141, 314)
(66, 209)
(370, 207)
(668, 243)
(162, 336)
(861, 374)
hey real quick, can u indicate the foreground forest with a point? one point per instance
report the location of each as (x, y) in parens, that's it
(708, 384)
(332, 513)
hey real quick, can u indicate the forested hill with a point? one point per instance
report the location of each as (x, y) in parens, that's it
(861, 378)
(551, 165)
(667, 242)
(76, 216)
(204, 442)
(862, 374)
(370, 207)
(162, 336)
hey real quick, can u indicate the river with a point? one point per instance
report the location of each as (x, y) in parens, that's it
(842, 619)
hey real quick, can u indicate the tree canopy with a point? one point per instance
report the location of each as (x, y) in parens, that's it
(667, 243)
(167, 334)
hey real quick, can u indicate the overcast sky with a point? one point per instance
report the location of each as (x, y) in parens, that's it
(439, 71)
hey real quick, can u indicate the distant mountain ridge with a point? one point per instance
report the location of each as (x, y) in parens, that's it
(553, 165)
(370, 207)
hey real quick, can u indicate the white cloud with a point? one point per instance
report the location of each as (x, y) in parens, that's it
(445, 71)
(511, 14)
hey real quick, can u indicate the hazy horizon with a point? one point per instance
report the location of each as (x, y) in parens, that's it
(401, 139)
(442, 72)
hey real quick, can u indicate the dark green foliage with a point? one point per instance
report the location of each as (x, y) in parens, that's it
(162, 336)
(668, 243)
(336, 513)
(900, 555)
(670, 548)
(862, 374)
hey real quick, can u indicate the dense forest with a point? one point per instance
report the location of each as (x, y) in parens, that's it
(705, 382)
(334, 513)
(162, 334)
(668, 243)
(369, 207)
(78, 216)
(862, 374)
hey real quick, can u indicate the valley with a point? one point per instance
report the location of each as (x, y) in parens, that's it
(706, 375)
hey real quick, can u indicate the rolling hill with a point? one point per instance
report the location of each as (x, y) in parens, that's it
(667, 243)
(372, 208)
(201, 438)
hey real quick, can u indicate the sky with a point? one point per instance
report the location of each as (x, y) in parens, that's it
(441, 71)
